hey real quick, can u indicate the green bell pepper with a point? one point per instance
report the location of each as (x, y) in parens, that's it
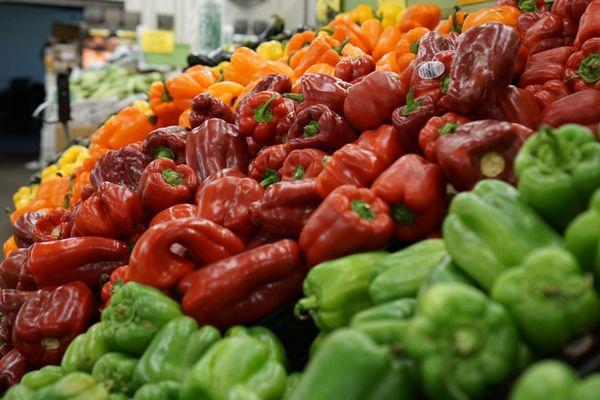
(135, 314)
(463, 342)
(588, 389)
(73, 386)
(245, 365)
(336, 290)
(85, 350)
(385, 323)
(118, 396)
(292, 384)
(489, 230)
(174, 350)
(582, 237)
(549, 298)
(165, 390)
(350, 366)
(401, 274)
(445, 271)
(262, 334)
(115, 372)
(33, 381)
(558, 171)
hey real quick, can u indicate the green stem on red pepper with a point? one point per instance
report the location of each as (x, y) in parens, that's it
(411, 103)
(589, 68)
(363, 209)
(402, 215)
(445, 83)
(294, 96)
(172, 177)
(298, 173)
(264, 113)
(527, 5)
(164, 152)
(450, 127)
(414, 46)
(311, 129)
(270, 176)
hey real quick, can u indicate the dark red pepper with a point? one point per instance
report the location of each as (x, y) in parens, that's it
(13, 366)
(323, 89)
(123, 167)
(545, 66)
(411, 118)
(352, 68)
(547, 33)
(583, 67)
(15, 272)
(384, 142)
(266, 117)
(519, 106)
(206, 106)
(178, 211)
(10, 303)
(435, 128)
(578, 108)
(42, 226)
(272, 83)
(265, 166)
(168, 142)
(549, 92)
(302, 164)
(430, 78)
(570, 9)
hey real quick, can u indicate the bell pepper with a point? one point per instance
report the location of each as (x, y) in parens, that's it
(164, 184)
(266, 117)
(461, 356)
(435, 128)
(165, 390)
(286, 206)
(588, 24)
(84, 259)
(387, 41)
(128, 126)
(549, 298)
(548, 93)
(271, 83)
(226, 91)
(323, 89)
(11, 302)
(123, 167)
(480, 251)
(519, 106)
(215, 145)
(32, 381)
(153, 263)
(505, 15)
(13, 366)
(244, 287)
(243, 66)
(582, 70)
(547, 33)
(42, 226)
(318, 127)
(321, 68)
(265, 166)
(174, 351)
(76, 385)
(119, 277)
(206, 106)
(385, 323)
(561, 111)
(321, 50)
(482, 67)
(49, 320)
(344, 27)
(15, 272)
(302, 164)
(336, 290)
(352, 68)
(479, 150)
(115, 371)
(178, 211)
(415, 190)
(227, 202)
(545, 66)
(411, 118)
(84, 351)
(168, 142)
(218, 175)
(556, 179)
(135, 315)
(351, 366)
(271, 50)
(582, 237)
(244, 365)
(194, 80)
(298, 41)
(453, 24)
(429, 78)
(370, 102)
(162, 105)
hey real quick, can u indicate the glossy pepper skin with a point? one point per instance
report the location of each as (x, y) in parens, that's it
(227, 202)
(206, 106)
(349, 220)
(519, 106)
(165, 390)
(323, 89)
(582, 71)
(165, 184)
(549, 298)
(411, 118)
(429, 78)
(318, 127)
(113, 211)
(11, 302)
(264, 168)
(286, 206)
(545, 66)
(302, 164)
(216, 145)
(482, 67)
(115, 372)
(15, 272)
(549, 92)
(167, 142)
(479, 150)
(49, 320)
(584, 103)
(435, 128)
(135, 314)
(415, 190)
(84, 350)
(273, 83)
(384, 142)
(246, 364)
(76, 385)
(582, 237)
(384, 323)
(588, 24)
(42, 226)
(84, 259)
(266, 117)
(177, 211)
(371, 101)
(558, 172)
(174, 351)
(32, 381)
(351, 68)
(153, 263)
(13, 366)
(244, 287)
(466, 354)
(547, 33)
(336, 290)
(349, 355)
(481, 252)
(122, 167)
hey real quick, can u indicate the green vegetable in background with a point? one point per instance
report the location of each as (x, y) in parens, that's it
(582, 237)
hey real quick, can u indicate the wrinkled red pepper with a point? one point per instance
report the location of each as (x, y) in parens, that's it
(545, 66)
(272, 83)
(583, 67)
(263, 236)
(42, 226)
(352, 68)
(220, 174)
(547, 33)
(118, 278)
(570, 9)
(15, 272)
(122, 167)
(302, 164)
(589, 24)
(13, 366)
(168, 142)
(266, 117)
(10, 303)
(178, 211)
(433, 43)
(323, 89)
(411, 118)
(578, 108)
(435, 128)
(549, 92)
(384, 142)
(528, 19)
(430, 78)
(519, 106)
(265, 166)
(206, 106)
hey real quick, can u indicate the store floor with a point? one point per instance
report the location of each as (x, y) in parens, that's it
(12, 175)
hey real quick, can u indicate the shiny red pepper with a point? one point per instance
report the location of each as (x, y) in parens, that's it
(220, 174)
(11, 302)
(265, 166)
(178, 211)
(545, 66)
(384, 142)
(528, 19)
(589, 24)
(13, 366)
(415, 189)
(266, 116)
(547, 33)
(549, 92)
(431, 44)
(519, 106)
(429, 78)
(245, 287)
(411, 118)
(42, 226)
(578, 108)
(272, 83)
(165, 184)
(15, 272)
(206, 106)
(153, 263)
(118, 278)
(352, 68)
(583, 67)
(167, 142)
(122, 167)
(302, 164)
(435, 128)
(323, 89)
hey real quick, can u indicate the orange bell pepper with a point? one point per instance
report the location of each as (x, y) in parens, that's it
(243, 93)
(226, 91)
(387, 42)
(162, 105)
(128, 126)
(295, 57)
(195, 80)
(82, 178)
(344, 27)
(35, 205)
(243, 66)
(453, 23)
(409, 43)
(273, 67)
(55, 192)
(427, 15)
(184, 118)
(372, 30)
(507, 15)
(298, 41)
(320, 68)
(395, 61)
(9, 246)
(321, 50)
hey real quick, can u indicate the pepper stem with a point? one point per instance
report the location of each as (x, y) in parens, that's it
(402, 215)
(414, 46)
(164, 152)
(270, 176)
(172, 177)
(492, 164)
(450, 127)
(311, 129)
(589, 68)
(263, 113)
(466, 341)
(294, 96)
(411, 103)
(363, 209)
(455, 25)
(338, 49)
(304, 305)
(166, 97)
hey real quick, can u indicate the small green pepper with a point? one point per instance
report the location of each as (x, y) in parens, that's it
(33, 381)
(85, 350)
(385, 323)
(165, 390)
(582, 237)
(73, 386)
(115, 372)
(547, 380)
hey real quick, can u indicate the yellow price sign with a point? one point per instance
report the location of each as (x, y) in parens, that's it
(158, 41)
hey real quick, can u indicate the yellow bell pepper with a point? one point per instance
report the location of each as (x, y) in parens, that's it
(50, 172)
(71, 159)
(361, 13)
(144, 107)
(271, 50)
(390, 11)
(24, 196)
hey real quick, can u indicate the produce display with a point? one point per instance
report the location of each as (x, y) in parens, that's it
(425, 192)
(110, 82)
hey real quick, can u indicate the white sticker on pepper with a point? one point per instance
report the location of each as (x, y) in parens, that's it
(431, 70)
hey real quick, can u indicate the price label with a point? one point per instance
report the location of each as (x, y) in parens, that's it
(158, 41)
(431, 70)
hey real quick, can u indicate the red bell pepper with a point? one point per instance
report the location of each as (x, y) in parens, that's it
(570, 9)
(435, 128)
(583, 67)
(547, 33)
(245, 287)
(216, 145)
(262, 237)
(206, 106)
(352, 68)
(49, 320)
(519, 106)
(15, 272)
(350, 220)
(431, 44)
(113, 212)
(577, 108)
(371, 101)
(265, 166)
(11, 302)
(415, 189)
(589, 24)
(165, 184)
(271, 83)
(227, 202)
(545, 66)
(323, 89)
(122, 167)
(411, 118)
(302, 164)
(13, 366)
(479, 150)
(286, 206)
(527, 6)
(178, 211)
(221, 174)
(549, 92)
(42, 226)
(118, 278)
(429, 77)
(84, 259)
(266, 116)
(168, 142)
(528, 19)
(318, 127)
(384, 142)
(153, 263)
